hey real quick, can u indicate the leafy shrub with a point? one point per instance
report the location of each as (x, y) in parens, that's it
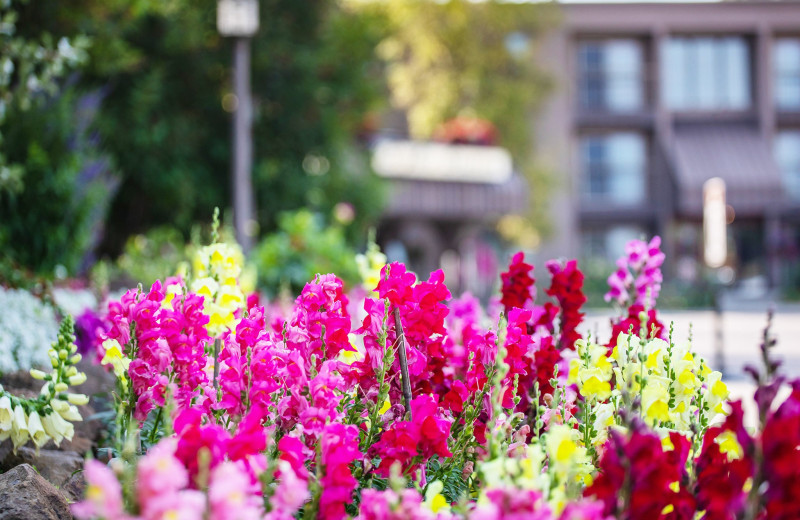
(300, 249)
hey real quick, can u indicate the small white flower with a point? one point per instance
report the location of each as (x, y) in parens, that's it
(56, 427)
(36, 430)
(71, 414)
(6, 417)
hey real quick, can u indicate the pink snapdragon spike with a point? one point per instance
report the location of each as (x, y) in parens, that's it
(232, 495)
(290, 494)
(339, 448)
(160, 472)
(390, 505)
(638, 277)
(512, 504)
(103, 494)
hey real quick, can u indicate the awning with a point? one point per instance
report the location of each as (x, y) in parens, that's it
(456, 200)
(736, 153)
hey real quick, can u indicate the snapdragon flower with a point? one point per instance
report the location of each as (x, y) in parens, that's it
(35, 419)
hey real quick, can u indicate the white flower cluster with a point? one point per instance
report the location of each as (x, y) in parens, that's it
(27, 328)
(47, 416)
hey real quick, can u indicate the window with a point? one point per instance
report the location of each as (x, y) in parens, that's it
(705, 73)
(787, 155)
(610, 75)
(786, 61)
(613, 167)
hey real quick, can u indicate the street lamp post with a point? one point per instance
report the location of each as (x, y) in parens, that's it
(239, 19)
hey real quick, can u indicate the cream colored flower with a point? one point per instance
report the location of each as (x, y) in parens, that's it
(6, 417)
(56, 427)
(19, 427)
(78, 399)
(36, 430)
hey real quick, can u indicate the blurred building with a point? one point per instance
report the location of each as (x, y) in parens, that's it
(445, 199)
(653, 99)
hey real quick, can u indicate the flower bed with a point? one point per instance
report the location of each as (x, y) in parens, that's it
(407, 403)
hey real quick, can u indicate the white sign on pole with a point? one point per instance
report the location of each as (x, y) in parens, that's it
(715, 234)
(237, 17)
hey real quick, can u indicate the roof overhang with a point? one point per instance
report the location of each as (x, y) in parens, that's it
(737, 154)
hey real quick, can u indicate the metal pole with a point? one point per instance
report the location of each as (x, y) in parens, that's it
(243, 199)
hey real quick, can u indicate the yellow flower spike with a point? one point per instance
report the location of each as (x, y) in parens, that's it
(729, 445)
(438, 503)
(652, 360)
(574, 367)
(659, 411)
(688, 379)
(594, 387)
(604, 365)
(434, 499)
(565, 450)
(720, 390)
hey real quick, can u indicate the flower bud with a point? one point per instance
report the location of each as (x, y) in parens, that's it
(37, 374)
(61, 387)
(78, 399)
(62, 355)
(78, 379)
(72, 371)
(74, 360)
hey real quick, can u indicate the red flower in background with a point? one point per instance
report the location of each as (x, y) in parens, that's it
(567, 288)
(781, 450)
(632, 322)
(720, 478)
(517, 283)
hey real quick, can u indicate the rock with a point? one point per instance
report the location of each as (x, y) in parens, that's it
(74, 488)
(25, 495)
(57, 467)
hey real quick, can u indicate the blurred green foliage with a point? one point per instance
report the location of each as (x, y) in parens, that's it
(154, 255)
(165, 76)
(50, 224)
(31, 67)
(301, 248)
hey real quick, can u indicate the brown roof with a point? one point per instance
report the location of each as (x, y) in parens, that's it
(736, 153)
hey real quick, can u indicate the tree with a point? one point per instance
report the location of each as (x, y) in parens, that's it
(464, 58)
(164, 74)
